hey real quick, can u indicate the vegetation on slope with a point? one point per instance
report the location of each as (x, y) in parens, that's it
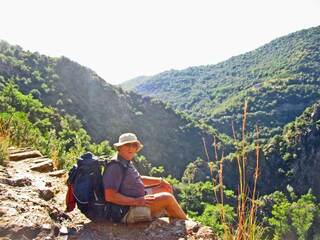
(281, 78)
(105, 111)
(26, 122)
(284, 84)
(293, 157)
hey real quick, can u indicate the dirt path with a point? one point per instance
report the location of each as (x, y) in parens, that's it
(32, 207)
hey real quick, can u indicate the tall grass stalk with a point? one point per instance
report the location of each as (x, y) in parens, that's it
(255, 178)
(245, 227)
(214, 181)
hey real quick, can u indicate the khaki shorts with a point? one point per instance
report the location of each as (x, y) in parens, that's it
(137, 214)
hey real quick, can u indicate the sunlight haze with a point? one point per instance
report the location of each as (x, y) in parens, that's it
(121, 40)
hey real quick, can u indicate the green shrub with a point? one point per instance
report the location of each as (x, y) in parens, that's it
(158, 171)
(292, 217)
(211, 216)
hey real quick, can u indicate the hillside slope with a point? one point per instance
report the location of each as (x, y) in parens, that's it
(104, 110)
(293, 157)
(280, 79)
(132, 83)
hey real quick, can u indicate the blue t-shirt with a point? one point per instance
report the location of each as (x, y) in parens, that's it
(131, 186)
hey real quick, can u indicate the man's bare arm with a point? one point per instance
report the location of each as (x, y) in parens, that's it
(151, 181)
(113, 196)
(154, 182)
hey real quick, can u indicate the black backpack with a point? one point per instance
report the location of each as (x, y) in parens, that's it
(88, 191)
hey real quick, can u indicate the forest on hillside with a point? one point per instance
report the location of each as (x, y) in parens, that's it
(281, 79)
(105, 111)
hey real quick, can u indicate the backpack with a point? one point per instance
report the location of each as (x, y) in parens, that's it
(85, 189)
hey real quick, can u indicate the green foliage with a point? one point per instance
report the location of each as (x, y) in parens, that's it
(74, 137)
(211, 216)
(173, 181)
(157, 171)
(142, 165)
(193, 196)
(303, 213)
(101, 149)
(104, 110)
(21, 130)
(12, 100)
(280, 78)
(292, 157)
(292, 217)
(280, 215)
(30, 124)
(191, 199)
(196, 171)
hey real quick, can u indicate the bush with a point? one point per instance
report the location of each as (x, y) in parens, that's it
(4, 156)
(292, 217)
(157, 171)
(212, 217)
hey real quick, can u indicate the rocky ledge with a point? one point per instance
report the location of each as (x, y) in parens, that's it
(32, 207)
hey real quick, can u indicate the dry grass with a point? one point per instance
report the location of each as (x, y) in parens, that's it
(246, 227)
(4, 141)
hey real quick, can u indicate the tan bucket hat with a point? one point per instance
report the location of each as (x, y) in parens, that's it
(128, 138)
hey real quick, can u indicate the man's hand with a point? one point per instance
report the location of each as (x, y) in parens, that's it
(166, 185)
(146, 200)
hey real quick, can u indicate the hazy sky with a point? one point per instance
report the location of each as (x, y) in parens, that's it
(123, 39)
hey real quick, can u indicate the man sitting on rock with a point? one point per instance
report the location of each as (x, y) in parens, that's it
(147, 197)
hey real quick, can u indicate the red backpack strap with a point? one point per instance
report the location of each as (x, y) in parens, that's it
(70, 199)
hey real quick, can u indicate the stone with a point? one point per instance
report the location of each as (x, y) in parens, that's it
(19, 182)
(191, 226)
(179, 233)
(58, 215)
(46, 226)
(4, 181)
(45, 166)
(46, 194)
(58, 173)
(8, 211)
(63, 230)
(23, 155)
(36, 160)
(22, 209)
(205, 232)
(55, 230)
(48, 184)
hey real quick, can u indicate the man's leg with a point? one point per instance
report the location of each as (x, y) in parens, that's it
(167, 201)
(157, 189)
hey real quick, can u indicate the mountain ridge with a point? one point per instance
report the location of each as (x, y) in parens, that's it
(205, 92)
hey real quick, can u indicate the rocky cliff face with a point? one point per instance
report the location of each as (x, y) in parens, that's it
(293, 158)
(305, 149)
(32, 207)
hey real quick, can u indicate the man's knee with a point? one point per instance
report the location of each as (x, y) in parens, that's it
(168, 197)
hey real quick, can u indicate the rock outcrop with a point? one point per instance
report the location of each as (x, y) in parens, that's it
(32, 207)
(20, 154)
